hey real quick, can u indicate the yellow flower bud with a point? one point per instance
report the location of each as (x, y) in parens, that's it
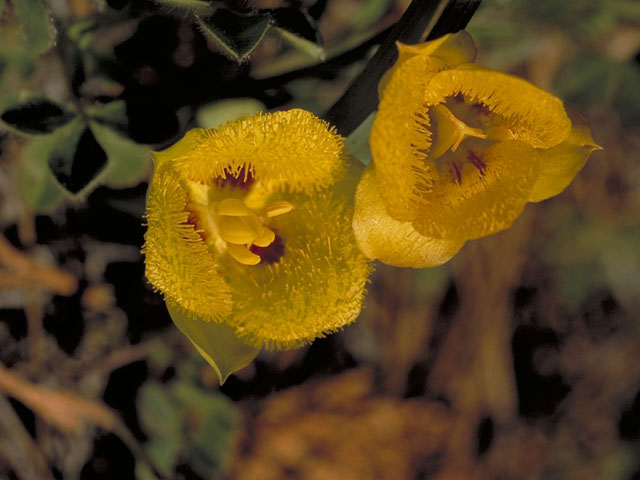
(458, 151)
(249, 225)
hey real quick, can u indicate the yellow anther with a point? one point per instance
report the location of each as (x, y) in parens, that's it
(240, 226)
(279, 207)
(242, 254)
(450, 131)
(236, 230)
(233, 207)
(265, 239)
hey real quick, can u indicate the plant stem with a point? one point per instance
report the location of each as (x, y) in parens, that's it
(423, 20)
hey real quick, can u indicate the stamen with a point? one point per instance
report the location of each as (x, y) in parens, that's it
(279, 207)
(265, 238)
(450, 131)
(233, 207)
(242, 178)
(242, 254)
(236, 230)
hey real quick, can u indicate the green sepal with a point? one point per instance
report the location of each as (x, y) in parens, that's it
(78, 159)
(357, 142)
(31, 114)
(216, 342)
(237, 35)
(36, 24)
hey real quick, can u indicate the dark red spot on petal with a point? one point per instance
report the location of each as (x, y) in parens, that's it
(272, 253)
(481, 108)
(242, 179)
(477, 161)
(456, 172)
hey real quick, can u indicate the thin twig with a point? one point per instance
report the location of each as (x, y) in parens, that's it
(26, 272)
(421, 21)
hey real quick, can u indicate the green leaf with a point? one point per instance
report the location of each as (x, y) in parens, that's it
(302, 44)
(36, 115)
(164, 454)
(369, 13)
(159, 412)
(296, 22)
(113, 114)
(219, 113)
(357, 142)
(128, 161)
(216, 342)
(78, 159)
(144, 472)
(213, 421)
(34, 180)
(35, 23)
(237, 35)
(213, 439)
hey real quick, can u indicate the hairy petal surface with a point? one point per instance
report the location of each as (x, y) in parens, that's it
(533, 115)
(250, 236)
(400, 137)
(384, 238)
(177, 261)
(318, 285)
(291, 150)
(485, 204)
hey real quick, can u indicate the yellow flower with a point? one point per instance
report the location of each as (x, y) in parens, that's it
(249, 234)
(458, 151)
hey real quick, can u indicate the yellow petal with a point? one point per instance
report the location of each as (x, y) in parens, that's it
(265, 238)
(400, 137)
(316, 287)
(233, 207)
(279, 207)
(177, 260)
(485, 204)
(292, 150)
(453, 49)
(242, 254)
(560, 164)
(396, 243)
(533, 115)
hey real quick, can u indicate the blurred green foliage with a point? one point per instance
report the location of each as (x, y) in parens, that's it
(80, 105)
(186, 424)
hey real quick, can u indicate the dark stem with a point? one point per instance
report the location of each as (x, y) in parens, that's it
(423, 20)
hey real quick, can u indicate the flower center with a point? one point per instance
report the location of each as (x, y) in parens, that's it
(461, 133)
(243, 229)
(225, 222)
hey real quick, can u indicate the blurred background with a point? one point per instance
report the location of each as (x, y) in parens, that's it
(516, 360)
